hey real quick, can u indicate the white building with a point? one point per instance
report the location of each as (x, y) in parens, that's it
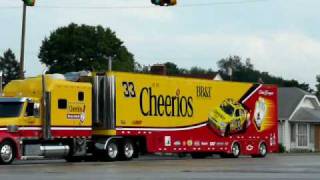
(299, 120)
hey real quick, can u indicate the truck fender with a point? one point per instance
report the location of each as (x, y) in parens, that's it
(102, 144)
(6, 136)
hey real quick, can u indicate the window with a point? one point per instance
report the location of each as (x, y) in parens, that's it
(302, 135)
(30, 109)
(10, 109)
(80, 96)
(62, 104)
(293, 132)
(311, 134)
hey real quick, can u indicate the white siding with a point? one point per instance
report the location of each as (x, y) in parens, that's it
(308, 103)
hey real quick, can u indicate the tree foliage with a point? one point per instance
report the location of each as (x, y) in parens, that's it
(318, 86)
(245, 72)
(9, 66)
(76, 48)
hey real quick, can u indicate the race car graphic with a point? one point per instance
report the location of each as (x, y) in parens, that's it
(260, 112)
(228, 118)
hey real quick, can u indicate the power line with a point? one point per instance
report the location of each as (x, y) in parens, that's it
(142, 7)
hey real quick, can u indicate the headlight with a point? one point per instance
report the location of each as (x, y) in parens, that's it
(222, 124)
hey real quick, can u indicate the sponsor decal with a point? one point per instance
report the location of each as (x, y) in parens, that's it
(249, 147)
(219, 143)
(266, 93)
(189, 143)
(82, 117)
(73, 116)
(167, 141)
(165, 105)
(212, 143)
(204, 91)
(204, 143)
(137, 122)
(184, 143)
(177, 143)
(197, 143)
(76, 111)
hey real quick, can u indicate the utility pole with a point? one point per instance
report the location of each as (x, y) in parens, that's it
(1, 79)
(24, 9)
(109, 64)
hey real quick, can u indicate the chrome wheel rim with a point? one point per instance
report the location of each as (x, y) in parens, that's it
(128, 150)
(235, 150)
(112, 151)
(6, 153)
(263, 149)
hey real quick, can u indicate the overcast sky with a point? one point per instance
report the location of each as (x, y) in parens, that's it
(280, 36)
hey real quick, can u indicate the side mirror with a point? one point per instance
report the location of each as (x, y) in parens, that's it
(36, 110)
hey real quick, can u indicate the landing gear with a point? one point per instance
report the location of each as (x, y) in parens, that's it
(7, 153)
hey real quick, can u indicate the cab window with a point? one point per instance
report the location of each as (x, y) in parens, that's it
(62, 103)
(30, 109)
(80, 96)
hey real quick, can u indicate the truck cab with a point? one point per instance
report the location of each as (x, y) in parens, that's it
(41, 116)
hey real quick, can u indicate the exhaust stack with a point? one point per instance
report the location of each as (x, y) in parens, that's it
(46, 98)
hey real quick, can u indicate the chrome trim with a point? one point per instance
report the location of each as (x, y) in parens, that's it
(95, 102)
(104, 102)
(112, 109)
(46, 127)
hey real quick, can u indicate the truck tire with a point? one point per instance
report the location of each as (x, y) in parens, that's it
(128, 150)
(235, 150)
(112, 151)
(262, 151)
(7, 152)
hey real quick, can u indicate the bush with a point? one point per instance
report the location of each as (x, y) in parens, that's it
(282, 148)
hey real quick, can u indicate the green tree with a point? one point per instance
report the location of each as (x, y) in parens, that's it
(76, 48)
(318, 86)
(245, 72)
(172, 69)
(9, 66)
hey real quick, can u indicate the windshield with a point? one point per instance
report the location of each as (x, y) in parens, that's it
(227, 108)
(10, 109)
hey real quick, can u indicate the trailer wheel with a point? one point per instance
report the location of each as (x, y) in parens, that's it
(262, 151)
(112, 152)
(235, 150)
(7, 152)
(127, 150)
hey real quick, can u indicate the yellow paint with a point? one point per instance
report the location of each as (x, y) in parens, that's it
(77, 112)
(104, 132)
(129, 113)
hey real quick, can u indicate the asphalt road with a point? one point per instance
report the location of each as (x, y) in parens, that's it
(276, 166)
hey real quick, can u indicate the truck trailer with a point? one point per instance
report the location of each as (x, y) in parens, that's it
(117, 116)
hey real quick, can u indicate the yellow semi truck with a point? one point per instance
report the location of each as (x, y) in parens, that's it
(117, 116)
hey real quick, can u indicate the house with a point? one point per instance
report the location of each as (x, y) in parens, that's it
(299, 120)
